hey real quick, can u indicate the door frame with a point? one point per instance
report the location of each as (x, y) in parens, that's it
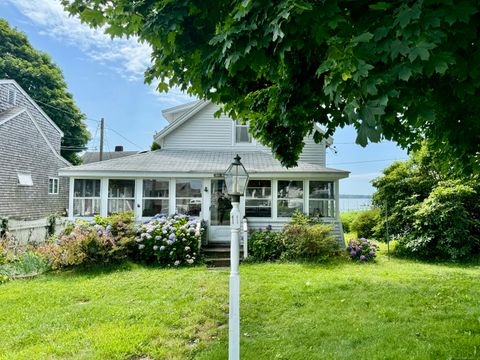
(216, 233)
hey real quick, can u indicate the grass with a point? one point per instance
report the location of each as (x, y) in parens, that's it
(393, 309)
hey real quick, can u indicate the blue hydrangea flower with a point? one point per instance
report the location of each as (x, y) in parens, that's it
(362, 257)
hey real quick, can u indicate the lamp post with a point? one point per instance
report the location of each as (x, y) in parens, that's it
(236, 178)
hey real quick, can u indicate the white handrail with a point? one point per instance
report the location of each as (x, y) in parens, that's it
(245, 238)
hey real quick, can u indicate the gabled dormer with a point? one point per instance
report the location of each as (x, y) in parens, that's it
(194, 126)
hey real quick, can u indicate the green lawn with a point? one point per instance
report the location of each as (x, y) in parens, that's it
(394, 309)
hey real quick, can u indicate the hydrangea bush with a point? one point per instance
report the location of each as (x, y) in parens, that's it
(265, 245)
(362, 250)
(169, 240)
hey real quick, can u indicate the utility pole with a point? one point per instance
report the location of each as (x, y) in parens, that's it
(102, 129)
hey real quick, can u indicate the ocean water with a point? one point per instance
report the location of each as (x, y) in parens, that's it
(354, 204)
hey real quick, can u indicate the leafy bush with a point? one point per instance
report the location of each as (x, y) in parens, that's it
(365, 222)
(121, 226)
(447, 224)
(309, 242)
(299, 218)
(347, 218)
(362, 250)
(25, 265)
(169, 240)
(265, 245)
(105, 240)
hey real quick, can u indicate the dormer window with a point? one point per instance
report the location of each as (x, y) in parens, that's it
(12, 97)
(242, 136)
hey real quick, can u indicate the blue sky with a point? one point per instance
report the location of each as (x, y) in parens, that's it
(106, 79)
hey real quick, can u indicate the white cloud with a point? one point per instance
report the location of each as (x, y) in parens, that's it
(128, 57)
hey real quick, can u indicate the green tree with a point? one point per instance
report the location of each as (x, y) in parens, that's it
(400, 191)
(432, 213)
(400, 70)
(35, 72)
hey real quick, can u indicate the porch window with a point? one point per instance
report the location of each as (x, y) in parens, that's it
(322, 199)
(86, 197)
(121, 195)
(258, 198)
(189, 197)
(241, 133)
(155, 197)
(290, 197)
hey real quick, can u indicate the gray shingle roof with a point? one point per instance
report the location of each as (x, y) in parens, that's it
(196, 161)
(90, 157)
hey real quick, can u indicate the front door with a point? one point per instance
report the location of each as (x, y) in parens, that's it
(220, 206)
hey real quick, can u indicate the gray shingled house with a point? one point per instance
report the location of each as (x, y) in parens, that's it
(30, 187)
(186, 176)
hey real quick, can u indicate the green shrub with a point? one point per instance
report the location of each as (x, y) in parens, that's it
(362, 250)
(365, 222)
(265, 245)
(105, 240)
(169, 240)
(121, 226)
(447, 224)
(309, 242)
(347, 218)
(27, 264)
(299, 218)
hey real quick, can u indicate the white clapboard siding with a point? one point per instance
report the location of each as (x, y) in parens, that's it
(203, 130)
(312, 152)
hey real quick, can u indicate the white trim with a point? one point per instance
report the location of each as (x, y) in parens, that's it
(104, 197)
(182, 119)
(55, 180)
(13, 82)
(186, 175)
(70, 198)
(177, 109)
(138, 203)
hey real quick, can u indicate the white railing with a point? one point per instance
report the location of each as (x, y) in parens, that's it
(198, 230)
(245, 238)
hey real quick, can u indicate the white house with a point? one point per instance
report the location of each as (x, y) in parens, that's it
(186, 176)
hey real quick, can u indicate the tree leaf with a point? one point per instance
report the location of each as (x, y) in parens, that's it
(365, 37)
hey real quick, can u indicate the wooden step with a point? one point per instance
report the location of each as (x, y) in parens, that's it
(218, 262)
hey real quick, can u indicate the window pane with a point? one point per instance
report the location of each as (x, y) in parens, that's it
(258, 201)
(321, 190)
(120, 205)
(50, 186)
(242, 135)
(155, 188)
(290, 189)
(258, 208)
(189, 188)
(121, 188)
(322, 208)
(86, 188)
(190, 207)
(220, 204)
(154, 207)
(259, 189)
(290, 197)
(86, 207)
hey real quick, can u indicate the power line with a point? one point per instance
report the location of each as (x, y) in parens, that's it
(123, 137)
(89, 119)
(367, 161)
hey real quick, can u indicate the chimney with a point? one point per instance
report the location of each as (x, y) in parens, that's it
(118, 148)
